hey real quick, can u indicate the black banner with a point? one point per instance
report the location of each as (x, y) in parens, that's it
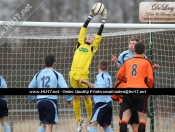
(84, 91)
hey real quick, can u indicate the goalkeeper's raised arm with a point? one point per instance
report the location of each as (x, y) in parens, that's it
(98, 37)
(90, 39)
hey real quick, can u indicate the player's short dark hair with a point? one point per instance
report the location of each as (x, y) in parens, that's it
(103, 64)
(133, 39)
(49, 60)
(139, 48)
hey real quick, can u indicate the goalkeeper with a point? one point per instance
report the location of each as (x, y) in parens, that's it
(85, 49)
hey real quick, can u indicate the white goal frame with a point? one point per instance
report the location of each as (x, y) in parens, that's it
(107, 25)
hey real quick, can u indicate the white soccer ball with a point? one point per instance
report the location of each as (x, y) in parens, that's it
(98, 8)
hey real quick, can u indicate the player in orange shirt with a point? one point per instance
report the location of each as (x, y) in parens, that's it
(136, 72)
(130, 53)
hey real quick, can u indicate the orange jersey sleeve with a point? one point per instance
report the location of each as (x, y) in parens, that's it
(138, 71)
(150, 78)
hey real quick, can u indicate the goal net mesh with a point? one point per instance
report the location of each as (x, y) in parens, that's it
(23, 51)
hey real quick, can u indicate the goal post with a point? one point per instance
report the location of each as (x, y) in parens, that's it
(22, 52)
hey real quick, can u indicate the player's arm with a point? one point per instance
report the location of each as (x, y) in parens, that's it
(98, 37)
(33, 84)
(90, 85)
(3, 83)
(82, 33)
(117, 62)
(121, 73)
(114, 60)
(62, 84)
(155, 66)
(150, 80)
(83, 29)
(120, 61)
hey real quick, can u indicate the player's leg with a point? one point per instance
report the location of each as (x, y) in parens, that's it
(42, 128)
(3, 115)
(107, 118)
(93, 123)
(141, 107)
(93, 126)
(134, 121)
(4, 124)
(88, 105)
(45, 128)
(48, 114)
(87, 99)
(120, 118)
(126, 106)
(98, 115)
(77, 107)
(77, 110)
(134, 127)
(125, 119)
(74, 81)
(142, 121)
(49, 127)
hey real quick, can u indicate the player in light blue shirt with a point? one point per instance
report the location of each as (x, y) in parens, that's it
(3, 107)
(47, 104)
(102, 111)
(125, 55)
(103, 80)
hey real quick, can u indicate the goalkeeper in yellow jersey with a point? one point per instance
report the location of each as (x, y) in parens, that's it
(85, 49)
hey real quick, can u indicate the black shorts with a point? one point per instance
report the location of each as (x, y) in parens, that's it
(134, 117)
(136, 102)
(3, 108)
(102, 113)
(48, 111)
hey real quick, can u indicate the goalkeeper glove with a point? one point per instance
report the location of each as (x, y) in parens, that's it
(104, 15)
(91, 14)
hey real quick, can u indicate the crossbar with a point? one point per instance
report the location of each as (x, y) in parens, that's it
(93, 25)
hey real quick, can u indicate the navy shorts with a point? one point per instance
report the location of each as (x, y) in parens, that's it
(3, 108)
(134, 116)
(48, 111)
(102, 113)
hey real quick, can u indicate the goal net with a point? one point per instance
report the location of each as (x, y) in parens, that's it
(22, 52)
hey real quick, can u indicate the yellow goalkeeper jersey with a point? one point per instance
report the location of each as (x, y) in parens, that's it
(84, 52)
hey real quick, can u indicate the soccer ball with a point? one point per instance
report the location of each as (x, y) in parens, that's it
(98, 8)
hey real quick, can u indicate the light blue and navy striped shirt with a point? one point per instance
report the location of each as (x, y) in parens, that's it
(103, 80)
(48, 78)
(3, 84)
(124, 56)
